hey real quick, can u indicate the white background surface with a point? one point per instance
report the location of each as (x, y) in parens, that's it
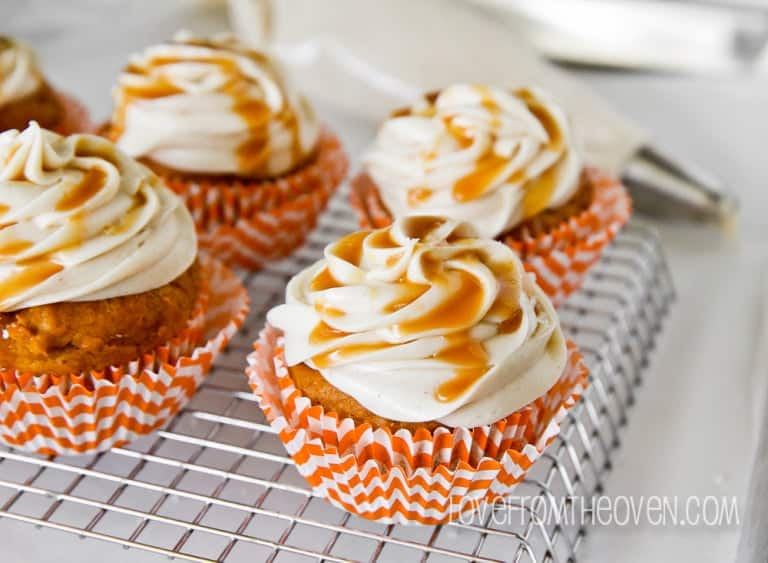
(693, 429)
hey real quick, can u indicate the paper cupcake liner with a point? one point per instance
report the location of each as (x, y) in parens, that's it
(403, 477)
(247, 224)
(75, 119)
(95, 411)
(560, 257)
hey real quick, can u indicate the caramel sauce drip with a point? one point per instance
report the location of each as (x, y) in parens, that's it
(324, 332)
(159, 89)
(538, 191)
(487, 101)
(382, 239)
(463, 351)
(350, 248)
(253, 153)
(512, 323)
(471, 360)
(14, 247)
(410, 292)
(546, 119)
(30, 275)
(456, 312)
(421, 226)
(324, 280)
(487, 170)
(400, 112)
(394, 259)
(328, 311)
(463, 137)
(459, 384)
(77, 195)
(328, 359)
(4, 209)
(417, 196)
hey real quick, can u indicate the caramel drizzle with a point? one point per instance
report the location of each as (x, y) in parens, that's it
(421, 226)
(77, 195)
(419, 196)
(39, 269)
(324, 280)
(350, 248)
(471, 359)
(254, 152)
(457, 312)
(28, 276)
(489, 169)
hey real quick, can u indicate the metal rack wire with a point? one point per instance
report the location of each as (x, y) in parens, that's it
(216, 484)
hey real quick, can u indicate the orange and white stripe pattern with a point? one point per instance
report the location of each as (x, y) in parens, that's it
(95, 411)
(561, 257)
(423, 477)
(248, 224)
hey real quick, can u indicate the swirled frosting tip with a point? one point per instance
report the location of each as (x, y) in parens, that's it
(212, 106)
(424, 321)
(477, 153)
(81, 221)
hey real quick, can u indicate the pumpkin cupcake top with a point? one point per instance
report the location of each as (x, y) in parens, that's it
(212, 106)
(81, 221)
(20, 75)
(477, 153)
(422, 321)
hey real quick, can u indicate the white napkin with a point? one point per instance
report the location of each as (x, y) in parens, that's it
(370, 56)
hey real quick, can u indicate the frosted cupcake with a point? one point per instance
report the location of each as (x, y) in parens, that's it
(102, 297)
(26, 96)
(420, 353)
(221, 124)
(506, 161)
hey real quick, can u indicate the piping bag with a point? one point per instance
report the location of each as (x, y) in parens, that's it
(368, 57)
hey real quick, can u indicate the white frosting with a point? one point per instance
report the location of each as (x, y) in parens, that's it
(475, 153)
(19, 73)
(396, 317)
(82, 221)
(212, 107)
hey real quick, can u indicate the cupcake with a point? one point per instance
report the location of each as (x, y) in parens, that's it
(26, 96)
(221, 124)
(506, 161)
(109, 320)
(415, 372)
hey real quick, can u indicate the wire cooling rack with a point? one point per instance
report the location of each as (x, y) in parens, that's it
(216, 484)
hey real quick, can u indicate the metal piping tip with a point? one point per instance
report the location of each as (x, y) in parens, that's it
(662, 186)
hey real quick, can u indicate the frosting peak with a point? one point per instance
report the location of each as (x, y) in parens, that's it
(80, 221)
(213, 107)
(19, 73)
(423, 321)
(476, 153)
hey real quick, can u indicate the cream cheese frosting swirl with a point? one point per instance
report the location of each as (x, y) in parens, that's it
(212, 107)
(19, 72)
(81, 221)
(476, 153)
(423, 321)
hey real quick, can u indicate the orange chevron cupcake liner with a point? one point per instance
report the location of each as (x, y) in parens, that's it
(95, 411)
(560, 257)
(403, 477)
(249, 223)
(76, 119)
